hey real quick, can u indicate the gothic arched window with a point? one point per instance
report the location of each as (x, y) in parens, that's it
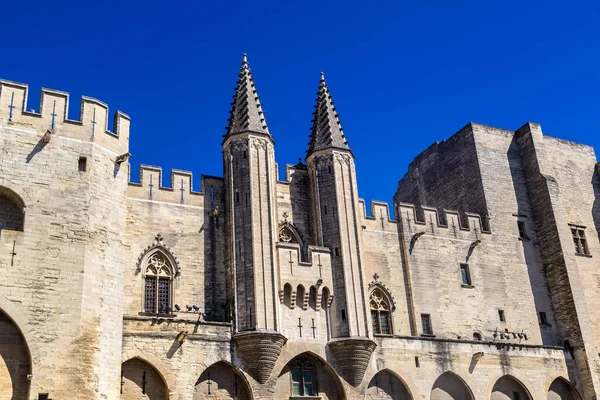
(380, 312)
(158, 284)
(303, 383)
(287, 235)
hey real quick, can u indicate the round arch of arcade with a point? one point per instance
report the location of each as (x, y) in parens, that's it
(157, 364)
(7, 308)
(451, 385)
(221, 385)
(502, 385)
(560, 388)
(16, 348)
(388, 382)
(325, 378)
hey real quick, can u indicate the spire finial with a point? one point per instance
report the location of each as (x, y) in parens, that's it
(327, 130)
(246, 112)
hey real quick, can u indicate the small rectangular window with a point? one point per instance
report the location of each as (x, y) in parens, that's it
(417, 363)
(43, 396)
(237, 197)
(82, 164)
(343, 314)
(465, 274)
(522, 230)
(543, 318)
(501, 316)
(426, 324)
(579, 240)
(336, 251)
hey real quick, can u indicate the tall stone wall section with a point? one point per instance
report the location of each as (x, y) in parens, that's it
(456, 186)
(64, 285)
(563, 275)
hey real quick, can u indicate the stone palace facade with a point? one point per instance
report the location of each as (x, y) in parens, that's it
(484, 286)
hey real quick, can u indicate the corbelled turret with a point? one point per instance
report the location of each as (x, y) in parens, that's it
(246, 111)
(326, 132)
(251, 178)
(334, 210)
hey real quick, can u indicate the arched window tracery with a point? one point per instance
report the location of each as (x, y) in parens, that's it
(381, 317)
(287, 235)
(158, 284)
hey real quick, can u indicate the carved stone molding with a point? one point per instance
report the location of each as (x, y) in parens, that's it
(239, 144)
(378, 283)
(353, 356)
(324, 160)
(258, 143)
(342, 158)
(259, 350)
(158, 246)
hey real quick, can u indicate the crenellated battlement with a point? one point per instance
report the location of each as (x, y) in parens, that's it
(180, 191)
(431, 217)
(380, 217)
(52, 117)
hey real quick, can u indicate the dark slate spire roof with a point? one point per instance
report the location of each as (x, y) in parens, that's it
(326, 130)
(246, 113)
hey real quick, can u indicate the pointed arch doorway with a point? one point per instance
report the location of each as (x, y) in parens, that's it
(15, 361)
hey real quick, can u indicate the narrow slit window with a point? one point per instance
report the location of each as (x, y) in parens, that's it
(82, 164)
(543, 318)
(522, 230)
(465, 274)
(501, 316)
(343, 314)
(426, 324)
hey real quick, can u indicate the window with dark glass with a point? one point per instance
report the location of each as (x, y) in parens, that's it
(501, 316)
(543, 318)
(579, 240)
(522, 230)
(426, 324)
(465, 274)
(302, 373)
(158, 285)
(380, 312)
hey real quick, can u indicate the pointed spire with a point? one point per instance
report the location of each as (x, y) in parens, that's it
(246, 112)
(327, 130)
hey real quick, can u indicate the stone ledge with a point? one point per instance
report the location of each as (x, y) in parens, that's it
(459, 341)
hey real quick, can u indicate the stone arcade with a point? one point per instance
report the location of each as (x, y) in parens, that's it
(485, 286)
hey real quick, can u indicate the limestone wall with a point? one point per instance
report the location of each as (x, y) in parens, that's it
(63, 286)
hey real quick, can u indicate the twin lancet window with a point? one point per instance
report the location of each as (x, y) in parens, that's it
(158, 288)
(302, 372)
(380, 312)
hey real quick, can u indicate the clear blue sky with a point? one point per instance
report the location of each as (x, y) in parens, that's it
(402, 74)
